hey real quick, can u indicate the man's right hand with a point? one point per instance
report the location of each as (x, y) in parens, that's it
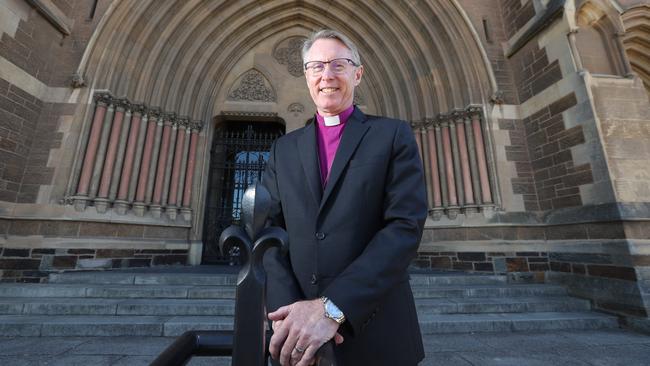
(301, 320)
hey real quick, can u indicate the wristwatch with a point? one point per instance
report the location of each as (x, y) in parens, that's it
(332, 311)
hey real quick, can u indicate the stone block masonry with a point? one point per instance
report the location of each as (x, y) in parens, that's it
(516, 14)
(19, 116)
(34, 265)
(76, 245)
(594, 260)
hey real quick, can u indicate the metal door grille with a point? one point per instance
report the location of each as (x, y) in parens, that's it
(239, 154)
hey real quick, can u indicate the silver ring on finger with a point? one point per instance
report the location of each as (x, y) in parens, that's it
(299, 350)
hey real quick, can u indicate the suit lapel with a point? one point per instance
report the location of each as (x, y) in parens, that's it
(308, 152)
(355, 128)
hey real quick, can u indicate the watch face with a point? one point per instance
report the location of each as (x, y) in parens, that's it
(332, 310)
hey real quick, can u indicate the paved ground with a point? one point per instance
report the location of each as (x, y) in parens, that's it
(605, 347)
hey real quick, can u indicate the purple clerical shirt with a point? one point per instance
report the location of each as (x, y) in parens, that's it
(329, 138)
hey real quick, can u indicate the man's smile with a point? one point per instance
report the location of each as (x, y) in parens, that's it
(328, 90)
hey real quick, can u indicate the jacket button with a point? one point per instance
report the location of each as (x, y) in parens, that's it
(314, 279)
(320, 235)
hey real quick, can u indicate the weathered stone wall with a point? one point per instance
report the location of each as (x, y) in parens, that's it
(516, 13)
(603, 261)
(31, 249)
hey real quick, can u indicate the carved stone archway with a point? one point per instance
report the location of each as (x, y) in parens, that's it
(422, 59)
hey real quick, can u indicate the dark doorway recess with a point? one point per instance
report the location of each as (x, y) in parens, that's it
(240, 150)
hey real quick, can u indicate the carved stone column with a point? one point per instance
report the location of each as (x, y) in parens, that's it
(469, 204)
(186, 210)
(81, 196)
(181, 173)
(436, 211)
(441, 164)
(119, 159)
(102, 202)
(426, 165)
(476, 184)
(170, 159)
(122, 204)
(137, 161)
(139, 204)
(101, 151)
(456, 155)
(179, 155)
(486, 192)
(159, 180)
(452, 208)
(155, 154)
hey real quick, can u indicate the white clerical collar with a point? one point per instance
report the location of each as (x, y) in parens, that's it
(332, 120)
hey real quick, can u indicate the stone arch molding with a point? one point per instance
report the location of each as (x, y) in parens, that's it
(637, 41)
(422, 58)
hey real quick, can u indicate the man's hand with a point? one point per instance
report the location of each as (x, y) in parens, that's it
(301, 326)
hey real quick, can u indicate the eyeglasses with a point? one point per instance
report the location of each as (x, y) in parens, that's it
(337, 66)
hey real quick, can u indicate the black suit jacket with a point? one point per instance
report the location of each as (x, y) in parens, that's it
(353, 240)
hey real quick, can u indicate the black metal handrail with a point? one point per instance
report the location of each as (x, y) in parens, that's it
(247, 343)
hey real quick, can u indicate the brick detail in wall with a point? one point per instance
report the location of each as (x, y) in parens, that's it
(28, 131)
(42, 51)
(516, 15)
(489, 11)
(532, 71)
(584, 264)
(540, 148)
(81, 229)
(19, 114)
(33, 265)
(490, 262)
(557, 179)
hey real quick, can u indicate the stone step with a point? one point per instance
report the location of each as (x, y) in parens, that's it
(457, 280)
(483, 291)
(91, 306)
(113, 326)
(226, 307)
(117, 291)
(122, 278)
(228, 292)
(505, 305)
(75, 326)
(515, 322)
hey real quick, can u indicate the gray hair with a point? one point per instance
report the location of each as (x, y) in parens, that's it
(331, 34)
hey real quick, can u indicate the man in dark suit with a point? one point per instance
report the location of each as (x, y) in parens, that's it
(349, 190)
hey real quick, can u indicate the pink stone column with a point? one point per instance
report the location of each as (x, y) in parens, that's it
(189, 175)
(111, 152)
(130, 156)
(418, 141)
(433, 163)
(176, 168)
(464, 161)
(93, 144)
(482, 161)
(160, 169)
(162, 162)
(449, 165)
(186, 210)
(146, 159)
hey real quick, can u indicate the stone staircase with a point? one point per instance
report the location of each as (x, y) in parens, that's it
(150, 303)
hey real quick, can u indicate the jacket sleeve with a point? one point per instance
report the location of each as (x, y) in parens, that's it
(361, 287)
(281, 285)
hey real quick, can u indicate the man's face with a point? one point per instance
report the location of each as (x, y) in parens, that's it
(332, 92)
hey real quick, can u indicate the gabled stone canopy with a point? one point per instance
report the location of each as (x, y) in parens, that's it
(422, 58)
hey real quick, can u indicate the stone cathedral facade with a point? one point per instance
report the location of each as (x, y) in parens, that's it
(130, 128)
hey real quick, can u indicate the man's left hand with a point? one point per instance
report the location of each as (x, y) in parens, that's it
(301, 326)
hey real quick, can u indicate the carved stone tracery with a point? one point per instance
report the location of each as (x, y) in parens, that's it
(253, 87)
(288, 52)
